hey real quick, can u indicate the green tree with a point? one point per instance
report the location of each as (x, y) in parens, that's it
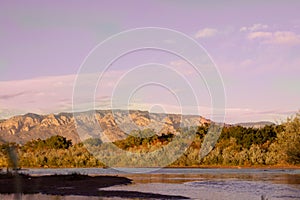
(58, 142)
(292, 135)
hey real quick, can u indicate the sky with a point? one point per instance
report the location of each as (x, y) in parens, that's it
(254, 45)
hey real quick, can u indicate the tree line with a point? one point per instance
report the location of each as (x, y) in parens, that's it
(236, 146)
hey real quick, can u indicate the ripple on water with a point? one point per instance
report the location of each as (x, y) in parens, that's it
(257, 188)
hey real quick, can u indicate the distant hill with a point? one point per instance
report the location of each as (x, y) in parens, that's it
(260, 124)
(114, 125)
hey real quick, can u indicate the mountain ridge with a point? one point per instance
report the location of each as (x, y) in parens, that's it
(258, 124)
(114, 124)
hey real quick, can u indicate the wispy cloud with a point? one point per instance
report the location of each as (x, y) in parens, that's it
(259, 34)
(10, 96)
(285, 37)
(254, 27)
(278, 37)
(206, 33)
(44, 99)
(49, 94)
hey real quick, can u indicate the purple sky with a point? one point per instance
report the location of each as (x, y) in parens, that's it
(255, 45)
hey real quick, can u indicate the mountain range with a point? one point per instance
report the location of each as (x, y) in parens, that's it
(254, 124)
(108, 125)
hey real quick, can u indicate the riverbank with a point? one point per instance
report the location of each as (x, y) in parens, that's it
(73, 184)
(167, 183)
(240, 167)
(177, 167)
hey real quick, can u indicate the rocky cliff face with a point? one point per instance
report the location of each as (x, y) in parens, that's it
(106, 124)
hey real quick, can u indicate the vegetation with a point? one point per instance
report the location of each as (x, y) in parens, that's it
(237, 146)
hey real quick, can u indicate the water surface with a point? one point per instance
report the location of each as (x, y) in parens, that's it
(192, 183)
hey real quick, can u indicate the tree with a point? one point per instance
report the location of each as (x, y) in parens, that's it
(58, 142)
(287, 144)
(292, 132)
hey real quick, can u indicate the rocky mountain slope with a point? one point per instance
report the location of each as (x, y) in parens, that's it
(106, 124)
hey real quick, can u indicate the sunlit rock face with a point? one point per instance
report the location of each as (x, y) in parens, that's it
(108, 125)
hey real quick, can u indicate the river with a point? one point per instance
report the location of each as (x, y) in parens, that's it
(190, 183)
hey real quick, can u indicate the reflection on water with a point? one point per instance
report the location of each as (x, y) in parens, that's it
(193, 183)
(182, 178)
(254, 188)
